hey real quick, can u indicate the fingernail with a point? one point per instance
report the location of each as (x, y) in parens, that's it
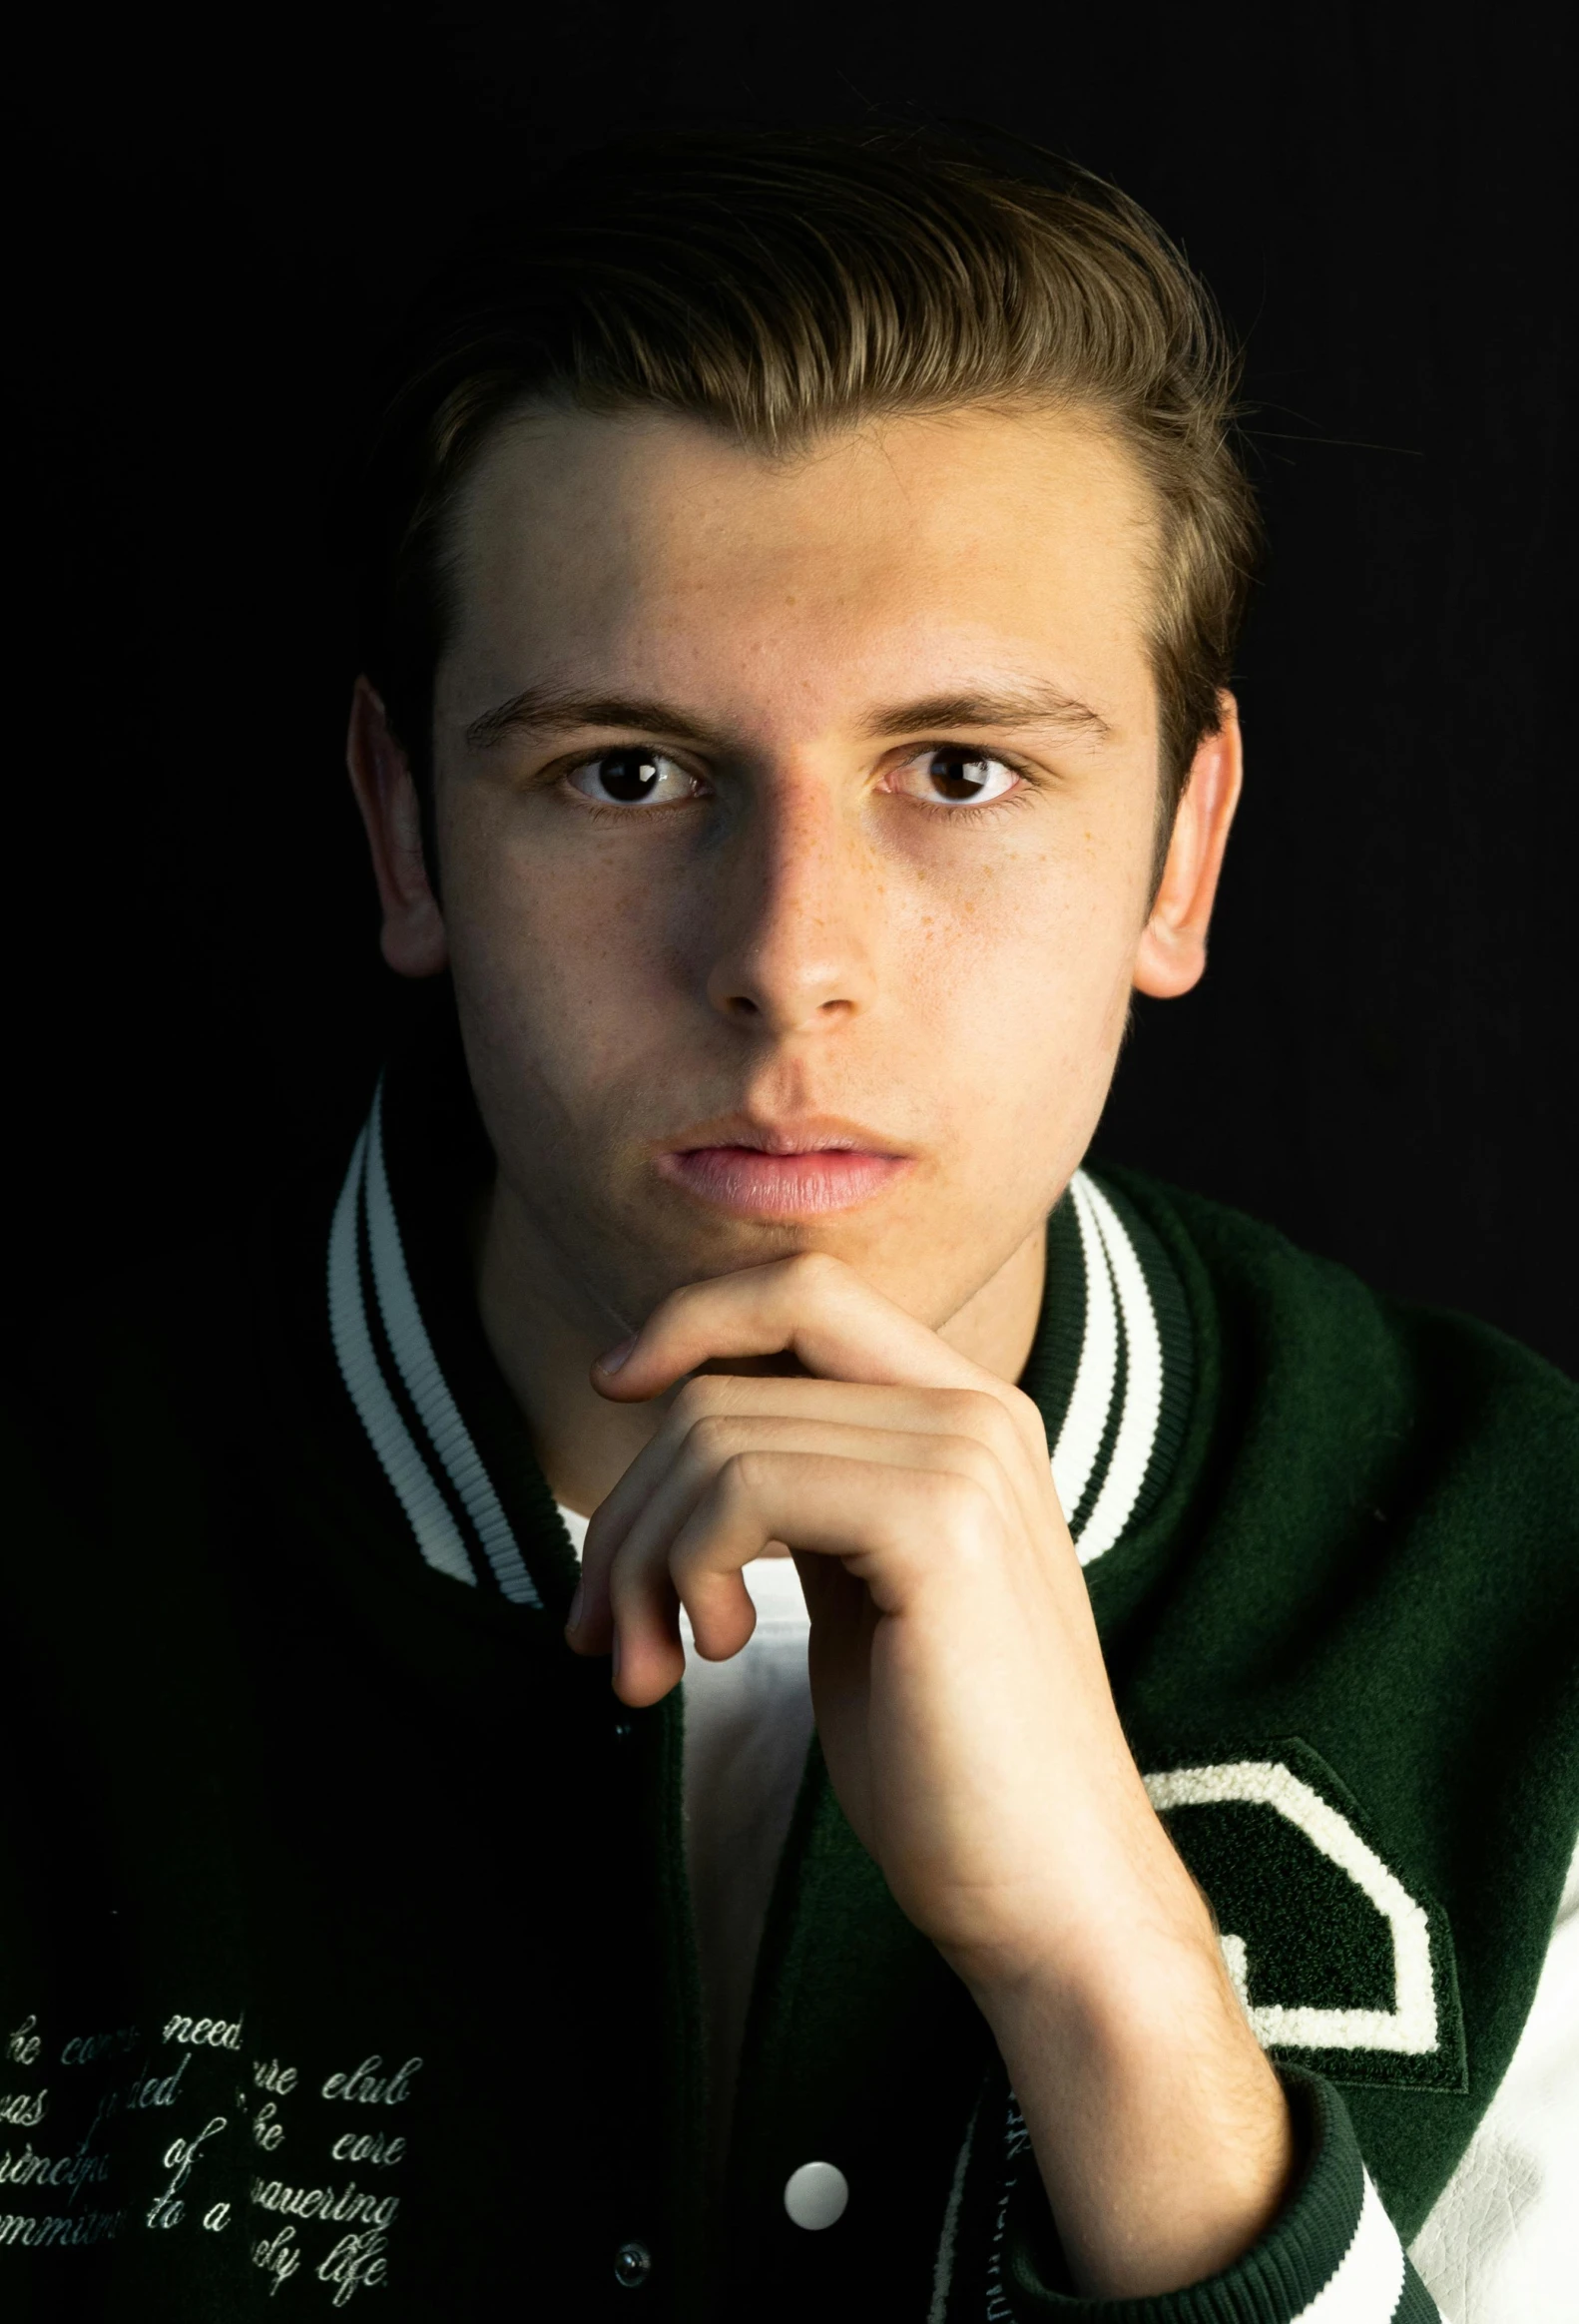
(573, 1618)
(617, 1356)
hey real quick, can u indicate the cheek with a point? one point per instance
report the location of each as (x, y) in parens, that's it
(556, 959)
(1033, 963)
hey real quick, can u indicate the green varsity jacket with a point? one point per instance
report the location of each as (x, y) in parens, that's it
(344, 1946)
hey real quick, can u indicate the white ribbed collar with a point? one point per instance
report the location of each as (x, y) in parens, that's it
(1105, 1449)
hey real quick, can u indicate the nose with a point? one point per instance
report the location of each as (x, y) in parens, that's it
(795, 915)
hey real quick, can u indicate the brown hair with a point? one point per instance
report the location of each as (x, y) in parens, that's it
(777, 284)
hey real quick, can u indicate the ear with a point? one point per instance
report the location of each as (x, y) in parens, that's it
(413, 941)
(1172, 954)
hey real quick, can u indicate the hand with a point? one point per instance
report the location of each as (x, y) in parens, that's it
(960, 1690)
(966, 1720)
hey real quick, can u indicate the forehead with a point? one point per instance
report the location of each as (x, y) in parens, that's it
(652, 548)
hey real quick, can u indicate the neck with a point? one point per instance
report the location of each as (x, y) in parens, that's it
(545, 1333)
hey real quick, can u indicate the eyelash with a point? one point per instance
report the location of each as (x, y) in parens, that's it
(954, 815)
(1016, 798)
(959, 814)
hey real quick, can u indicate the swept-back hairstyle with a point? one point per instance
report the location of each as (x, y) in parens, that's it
(777, 285)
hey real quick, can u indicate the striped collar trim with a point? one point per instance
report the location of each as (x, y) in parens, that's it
(1115, 1435)
(1124, 1419)
(401, 1397)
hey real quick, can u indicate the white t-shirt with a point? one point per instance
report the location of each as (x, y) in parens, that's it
(747, 1730)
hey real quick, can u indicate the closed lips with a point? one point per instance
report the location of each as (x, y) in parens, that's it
(806, 1182)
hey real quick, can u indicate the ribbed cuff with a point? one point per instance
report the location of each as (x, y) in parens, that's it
(1332, 2255)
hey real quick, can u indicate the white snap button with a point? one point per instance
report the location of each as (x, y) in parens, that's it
(816, 2194)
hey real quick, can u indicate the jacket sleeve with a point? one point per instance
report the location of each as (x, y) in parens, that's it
(1332, 2255)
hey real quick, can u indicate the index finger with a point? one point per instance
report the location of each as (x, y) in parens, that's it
(811, 1307)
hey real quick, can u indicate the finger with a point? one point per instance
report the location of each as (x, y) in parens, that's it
(644, 1578)
(811, 1307)
(887, 1523)
(709, 1447)
(815, 1309)
(644, 1631)
(717, 1417)
(645, 1599)
(885, 1518)
(957, 1412)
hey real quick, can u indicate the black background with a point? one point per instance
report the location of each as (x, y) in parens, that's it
(211, 224)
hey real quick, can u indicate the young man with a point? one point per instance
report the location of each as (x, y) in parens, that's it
(804, 571)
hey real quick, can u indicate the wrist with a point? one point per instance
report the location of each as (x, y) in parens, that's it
(1121, 1917)
(1122, 1987)
(1160, 2134)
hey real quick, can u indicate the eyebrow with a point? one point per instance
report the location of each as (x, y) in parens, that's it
(557, 709)
(1014, 705)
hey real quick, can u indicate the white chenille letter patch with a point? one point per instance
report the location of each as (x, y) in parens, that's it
(1336, 1961)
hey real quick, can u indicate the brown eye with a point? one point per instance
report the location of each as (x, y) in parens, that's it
(638, 776)
(955, 777)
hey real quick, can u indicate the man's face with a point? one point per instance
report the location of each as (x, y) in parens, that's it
(796, 903)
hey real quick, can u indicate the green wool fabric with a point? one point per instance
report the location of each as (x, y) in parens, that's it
(344, 1934)
(1384, 1568)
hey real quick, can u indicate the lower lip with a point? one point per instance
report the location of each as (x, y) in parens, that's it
(782, 1186)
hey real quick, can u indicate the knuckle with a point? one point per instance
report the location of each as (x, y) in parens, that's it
(977, 1463)
(713, 1437)
(1025, 1414)
(965, 1500)
(971, 1412)
(682, 1564)
(975, 1417)
(694, 1401)
(624, 1587)
(741, 1474)
(1001, 1419)
(815, 1269)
